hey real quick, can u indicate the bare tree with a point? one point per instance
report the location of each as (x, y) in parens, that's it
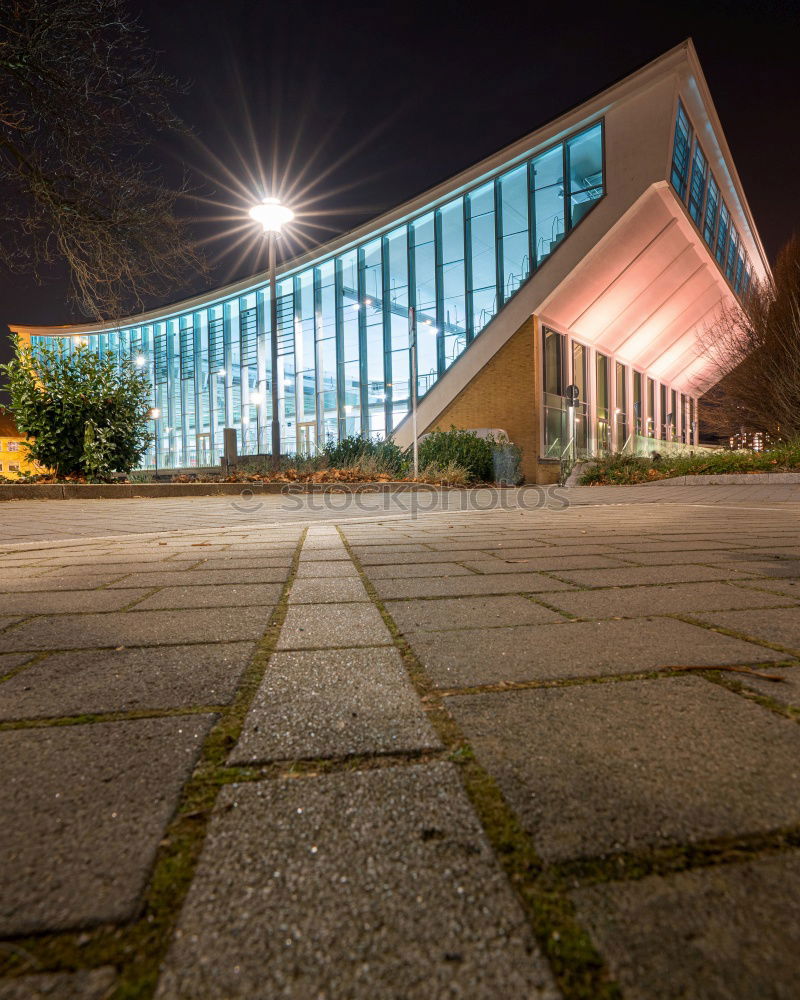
(81, 99)
(755, 352)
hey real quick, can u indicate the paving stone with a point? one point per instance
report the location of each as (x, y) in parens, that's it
(575, 649)
(778, 625)
(123, 680)
(464, 612)
(415, 558)
(10, 661)
(90, 804)
(325, 625)
(63, 602)
(359, 885)
(324, 555)
(499, 583)
(686, 598)
(324, 590)
(600, 768)
(88, 984)
(729, 931)
(331, 704)
(51, 584)
(312, 570)
(409, 570)
(788, 588)
(630, 575)
(232, 595)
(772, 569)
(239, 562)
(5, 621)
(554, 564)
(120, 568)
(787, 691)
(206, 577)
(136, 628)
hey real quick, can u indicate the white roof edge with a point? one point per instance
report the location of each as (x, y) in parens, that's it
(520, 149)
(716, 124)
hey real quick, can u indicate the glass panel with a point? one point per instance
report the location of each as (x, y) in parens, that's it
(730, 258)
(326, 354)
(697, 188)
(680, 152)
(553, 362)
(722, 232)
(396, 296)
(585, 160)
(548, 193)
(422, 232)
(638, 415)
(349, 346)
(602, 426)
(483, 257)
(372, 317)
(452, 278)
(664, 414)
(712, 210)
(514, 215)
(580, 413)
(650, 422)
(621, 409)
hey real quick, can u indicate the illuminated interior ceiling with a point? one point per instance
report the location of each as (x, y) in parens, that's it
(648, 292)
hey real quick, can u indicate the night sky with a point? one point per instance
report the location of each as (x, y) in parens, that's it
(406, 94)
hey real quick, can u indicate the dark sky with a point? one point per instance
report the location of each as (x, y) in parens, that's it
(405, 94)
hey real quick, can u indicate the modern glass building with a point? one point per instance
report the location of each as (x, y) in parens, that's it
(587, 255)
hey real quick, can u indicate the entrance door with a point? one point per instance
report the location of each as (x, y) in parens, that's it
(204, 450)
(306, 439)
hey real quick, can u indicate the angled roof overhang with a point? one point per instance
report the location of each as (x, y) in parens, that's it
(647, 292)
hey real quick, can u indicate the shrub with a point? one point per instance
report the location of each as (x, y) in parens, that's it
(617, 469)
(84, 415)
(451, 474)
(350, 451)
(462, 448)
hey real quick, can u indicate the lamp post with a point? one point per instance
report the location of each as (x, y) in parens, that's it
(272, 216)
(412, 342)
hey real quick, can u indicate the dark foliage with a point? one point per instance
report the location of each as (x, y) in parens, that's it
(80, 101)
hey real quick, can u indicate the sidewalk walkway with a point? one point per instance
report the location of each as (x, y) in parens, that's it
(533, 752)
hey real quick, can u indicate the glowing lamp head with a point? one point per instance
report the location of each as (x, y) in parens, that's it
(155, 413)
(140, 361)
(271, 215)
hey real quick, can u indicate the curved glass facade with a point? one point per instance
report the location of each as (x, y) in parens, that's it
(343, 363)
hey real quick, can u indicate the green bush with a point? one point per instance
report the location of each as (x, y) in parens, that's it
(617, 469)
(351, 450)
(84, 415)
(459, 448)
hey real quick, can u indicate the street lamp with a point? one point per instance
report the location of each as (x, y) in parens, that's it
(272, 216)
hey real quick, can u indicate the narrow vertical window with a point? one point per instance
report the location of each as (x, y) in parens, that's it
(697, 187)
(602, 415)
(680, 152)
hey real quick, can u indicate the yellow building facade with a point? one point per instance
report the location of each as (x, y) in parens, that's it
(14, 461)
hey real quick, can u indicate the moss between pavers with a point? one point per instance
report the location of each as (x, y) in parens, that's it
(138, 949)
(576, 964)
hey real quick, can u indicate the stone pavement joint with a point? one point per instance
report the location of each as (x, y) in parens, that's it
(590, 794)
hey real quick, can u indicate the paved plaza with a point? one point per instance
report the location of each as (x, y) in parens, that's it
(536, 744)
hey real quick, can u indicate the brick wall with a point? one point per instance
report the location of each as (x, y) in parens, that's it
(505, 394)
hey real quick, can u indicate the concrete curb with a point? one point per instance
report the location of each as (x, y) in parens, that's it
(732, 479)
(127, 491)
